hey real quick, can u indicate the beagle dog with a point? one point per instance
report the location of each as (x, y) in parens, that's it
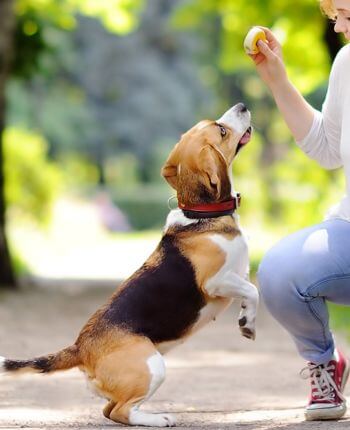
(198, 268)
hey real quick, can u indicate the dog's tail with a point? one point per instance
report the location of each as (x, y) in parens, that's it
(62, 360)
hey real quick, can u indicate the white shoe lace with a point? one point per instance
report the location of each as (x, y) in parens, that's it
(322, 382)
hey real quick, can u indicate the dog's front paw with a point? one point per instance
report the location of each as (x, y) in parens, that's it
(248, 333)
(246, 324)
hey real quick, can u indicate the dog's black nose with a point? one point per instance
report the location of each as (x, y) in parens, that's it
(241, 107)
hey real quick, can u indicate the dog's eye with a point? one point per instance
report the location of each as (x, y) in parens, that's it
(222, 130)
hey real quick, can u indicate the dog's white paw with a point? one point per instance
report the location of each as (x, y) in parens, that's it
(151, 420)
(169, 419)
(248, 332)
(246, 325)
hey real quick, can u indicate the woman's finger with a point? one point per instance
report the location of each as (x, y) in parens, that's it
(265, 49)
(269, 34)
(257, 58)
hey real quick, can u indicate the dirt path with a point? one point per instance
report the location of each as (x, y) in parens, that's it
(217, 380)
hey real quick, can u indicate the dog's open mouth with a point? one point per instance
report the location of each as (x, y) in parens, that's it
(246, 136)
(244, 139)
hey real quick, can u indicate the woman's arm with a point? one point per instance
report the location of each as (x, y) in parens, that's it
(318, 135)
(297, 113)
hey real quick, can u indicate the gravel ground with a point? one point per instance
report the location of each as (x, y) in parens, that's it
(217, 380)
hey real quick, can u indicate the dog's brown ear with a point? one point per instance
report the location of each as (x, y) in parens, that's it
(169, 170)
(209, 163)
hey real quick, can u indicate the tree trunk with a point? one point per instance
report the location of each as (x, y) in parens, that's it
(100, 157)
(7, 20)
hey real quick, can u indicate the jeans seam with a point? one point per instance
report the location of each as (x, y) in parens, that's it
(308, 299)
(319, 319)
(312, 287)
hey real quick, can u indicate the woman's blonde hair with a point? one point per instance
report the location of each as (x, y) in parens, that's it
(328, 8)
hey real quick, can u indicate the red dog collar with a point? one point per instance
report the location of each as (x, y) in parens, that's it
(212, 210)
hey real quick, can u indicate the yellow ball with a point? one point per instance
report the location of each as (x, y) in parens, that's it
(251, 39)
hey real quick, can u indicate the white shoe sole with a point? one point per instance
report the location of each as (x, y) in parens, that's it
(320, 414)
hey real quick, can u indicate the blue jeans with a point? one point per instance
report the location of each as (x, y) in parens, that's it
(299, 274)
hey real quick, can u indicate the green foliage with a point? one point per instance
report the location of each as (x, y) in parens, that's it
(121, 170)
(19, 264)
(77, 171)
(58, 110)
(340, 318)
(84, 99)
(32, 182)
(299, 25)
(305, 189)
(118, 16)
(37, 21)
(145, 206)
(29, 44)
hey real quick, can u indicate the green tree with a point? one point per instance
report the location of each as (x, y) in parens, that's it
(7, 25)
(19, 22)
(85, 98)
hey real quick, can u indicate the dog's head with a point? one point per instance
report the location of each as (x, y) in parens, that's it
(198, 166)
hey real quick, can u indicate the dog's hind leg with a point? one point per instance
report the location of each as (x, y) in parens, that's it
(108, 408)
(130, 414)
(129, 376)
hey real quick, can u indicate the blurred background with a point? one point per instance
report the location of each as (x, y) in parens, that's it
(95, 93)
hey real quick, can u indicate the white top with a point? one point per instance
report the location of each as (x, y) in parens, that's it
(328, 141)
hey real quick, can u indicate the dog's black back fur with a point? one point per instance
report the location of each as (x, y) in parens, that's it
(160, 302)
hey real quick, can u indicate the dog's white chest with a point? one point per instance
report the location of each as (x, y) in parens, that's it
(236, 251)
(236, 261)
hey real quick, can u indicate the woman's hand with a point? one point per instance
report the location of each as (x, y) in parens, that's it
(297, 113)
(269, 62)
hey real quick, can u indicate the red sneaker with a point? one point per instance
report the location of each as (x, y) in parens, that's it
(327, 385)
